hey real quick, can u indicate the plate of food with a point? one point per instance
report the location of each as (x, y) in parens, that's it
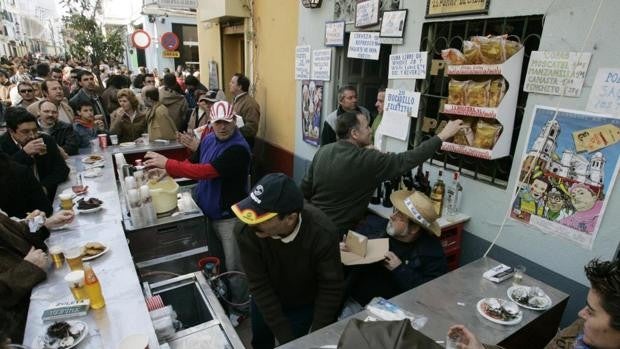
(89, 205)
(92, 172)
(500, 311)
(127, 144)
(64, 334)
(93, 250)
(92, 159)
(527, 297)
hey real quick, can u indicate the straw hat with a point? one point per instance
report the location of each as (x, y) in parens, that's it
(418, 207)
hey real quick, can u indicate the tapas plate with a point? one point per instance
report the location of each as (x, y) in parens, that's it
(93, 159)
(506, 312)
(91, 210)
(127, 144)
(95, 256)
(521, 296)
(55, 343)
(92, 172)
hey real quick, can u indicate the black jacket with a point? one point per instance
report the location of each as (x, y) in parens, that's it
(20, 192)
(98, 104)
(51, 167)
(64, 136)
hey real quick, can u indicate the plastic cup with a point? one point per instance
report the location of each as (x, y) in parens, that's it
(55, 250)
(114, 139)
(75, 281)
(519, 273)
(103, 141)
(134, 341)
(73, 256)
(145, 138)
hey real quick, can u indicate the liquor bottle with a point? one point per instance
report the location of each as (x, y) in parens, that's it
(453, 195)
(418, 180)
(426, 184)
(387, 191)
(437, 194)
(408, 181)
(93, 287)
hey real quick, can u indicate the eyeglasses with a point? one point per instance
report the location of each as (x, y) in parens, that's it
(26, 91)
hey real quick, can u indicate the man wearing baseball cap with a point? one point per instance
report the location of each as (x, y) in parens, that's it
(415, 254)
(289, 252)
(221, 166)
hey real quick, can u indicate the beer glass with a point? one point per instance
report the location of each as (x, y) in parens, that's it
(54, 248)
(66, 201)
(75, 281)
(73, 256)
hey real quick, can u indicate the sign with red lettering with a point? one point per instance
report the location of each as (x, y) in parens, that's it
(169, 41)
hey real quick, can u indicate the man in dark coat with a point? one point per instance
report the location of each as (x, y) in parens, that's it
(37, 151)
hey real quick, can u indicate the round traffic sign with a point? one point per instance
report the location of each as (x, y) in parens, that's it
(140, 39)
(169, 41)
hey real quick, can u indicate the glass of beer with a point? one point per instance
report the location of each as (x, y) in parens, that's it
(66, 201)
(73, 256)
(44, 150)
(54, 248)
(75, 281)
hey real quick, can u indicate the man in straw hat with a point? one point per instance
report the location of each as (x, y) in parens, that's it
(415, 254)
(289, 251)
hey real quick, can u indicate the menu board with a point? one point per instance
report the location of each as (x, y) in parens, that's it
(321, 64)
(364, 45)
(302, 62)
(557, 73)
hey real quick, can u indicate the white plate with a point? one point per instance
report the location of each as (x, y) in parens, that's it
(87, 160)
(90, 258)
(497, 321)
(92, 172)
(127, 144)
(78, 340)
(91, 210)
(94, 165)
(527, 306)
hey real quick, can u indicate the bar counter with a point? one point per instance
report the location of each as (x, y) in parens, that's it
(125, 312)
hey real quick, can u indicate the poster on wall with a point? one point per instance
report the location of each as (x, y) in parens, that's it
(605, 92)
(364, 45)
(411, 65)
(557, 73)
(344, 10)
(366, 13)
(567, 173)
(311, 107)
(334, 33)
(302, 62)
(321, 64)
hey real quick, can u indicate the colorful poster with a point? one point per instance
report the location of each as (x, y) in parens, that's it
(311, 109)
(563, 191)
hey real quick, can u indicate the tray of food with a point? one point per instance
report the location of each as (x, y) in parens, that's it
(500, 311)
(527, 297)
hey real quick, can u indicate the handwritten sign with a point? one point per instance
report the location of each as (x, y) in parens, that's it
(366, 13)
(334, 33)
(321, 64)
(364, 45)
(410, 65)
(557, 73)
(402, 101)
(605, 93)
(302, 62)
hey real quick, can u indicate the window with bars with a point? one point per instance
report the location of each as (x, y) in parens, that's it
(437, 36)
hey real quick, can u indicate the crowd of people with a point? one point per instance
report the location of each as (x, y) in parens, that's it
(285, 237)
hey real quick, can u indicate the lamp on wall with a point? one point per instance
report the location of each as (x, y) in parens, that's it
(311, 3)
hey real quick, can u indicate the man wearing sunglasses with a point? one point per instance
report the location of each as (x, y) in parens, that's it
(26, 92)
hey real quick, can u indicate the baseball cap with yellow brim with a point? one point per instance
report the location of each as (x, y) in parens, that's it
(418, 207)
(273, 194)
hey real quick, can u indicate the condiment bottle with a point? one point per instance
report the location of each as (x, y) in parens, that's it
(437, 194)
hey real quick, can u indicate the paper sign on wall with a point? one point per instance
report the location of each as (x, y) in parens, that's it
(402, 101)
(605, 93)
(302, 62)
(364, 45)
(395, 124)
(557, 73)
(410, 65)
(321, 64)
(596, 138)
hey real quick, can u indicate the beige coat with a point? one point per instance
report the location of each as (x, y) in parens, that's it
(176, 105)
(159, 123)
(65, 112)
(246, 106)
(127, 130)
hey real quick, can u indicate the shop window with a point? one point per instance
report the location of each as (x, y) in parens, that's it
(437, 36)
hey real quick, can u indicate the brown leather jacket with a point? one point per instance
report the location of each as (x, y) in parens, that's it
(246, 106)
(127, 130)
(160, 124)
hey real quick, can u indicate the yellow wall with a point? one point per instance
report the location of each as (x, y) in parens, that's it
(275, 23)
(209, 48)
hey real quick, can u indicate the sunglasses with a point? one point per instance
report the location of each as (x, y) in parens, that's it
(25, 91)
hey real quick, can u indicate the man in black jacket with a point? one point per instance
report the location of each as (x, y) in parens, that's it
(289, 252)
(61, 131)
(38, 151)
(91, 92)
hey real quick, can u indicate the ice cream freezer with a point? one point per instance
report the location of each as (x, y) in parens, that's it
(200, 319)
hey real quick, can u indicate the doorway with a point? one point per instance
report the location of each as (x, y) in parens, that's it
(367, 76)
(233, 54)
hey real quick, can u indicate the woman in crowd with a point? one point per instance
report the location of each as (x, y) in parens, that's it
(128, 121)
